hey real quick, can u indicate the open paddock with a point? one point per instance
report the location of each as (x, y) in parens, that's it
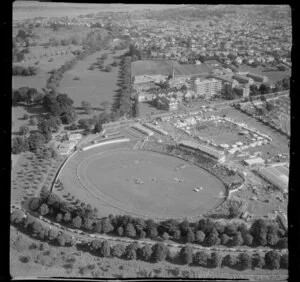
(94, 86)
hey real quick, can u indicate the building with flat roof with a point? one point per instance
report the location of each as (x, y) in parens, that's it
(212, 153)
(243, 79)
(257, 77)
(254, 161)
(207, 87)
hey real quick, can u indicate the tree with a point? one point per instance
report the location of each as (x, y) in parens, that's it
(227, 92)
(283, 243)
(234, 210)
(237, 239)
(77, 221)
(120, 231)
(253, 90)
(244, 261)
(286, 83)
(24, 129)
(145, 252)
(130, 230)
(201, 258)
(108, 68)
(86, 106)
(177, 234)
(213, 238)
(19, 145)
(53, 234)
(118, 250)
(229, 260)
(284, 261)
(205, 225)
(272, 260)
(35, 203)
(264, 89)
(105, 249)
(62, 239)
(263, 98)
(199, 236)
(165, 236)
(248, 239)
(160, 252)
(216, 259)
(130, 252)
(224, 239)
(95, 245)
(152, 233)
(107, 226)
(44, 210)
(17, 216)
(35, 141)
(190, 236)
(257, 260)
(67, 217)
(272, 239)
(59, 217)
(186, 254)
(88, 224)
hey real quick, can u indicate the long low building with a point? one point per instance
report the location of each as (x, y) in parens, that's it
(217, 155)
(142, 129)
(275, 176)
(156, 128)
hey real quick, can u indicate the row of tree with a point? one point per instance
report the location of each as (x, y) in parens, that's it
(124, 105)
(24, 71)
(205, 232)
(155, 253)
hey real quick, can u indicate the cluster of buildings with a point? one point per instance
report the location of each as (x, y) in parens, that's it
(207, 85)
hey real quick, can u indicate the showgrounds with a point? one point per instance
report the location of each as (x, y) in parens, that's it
(116, 179)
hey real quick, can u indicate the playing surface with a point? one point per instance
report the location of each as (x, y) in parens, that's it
(146, 183)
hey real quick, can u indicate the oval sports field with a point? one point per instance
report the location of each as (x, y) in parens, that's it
(141, 183)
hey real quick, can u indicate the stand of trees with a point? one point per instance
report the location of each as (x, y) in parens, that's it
(24, 71)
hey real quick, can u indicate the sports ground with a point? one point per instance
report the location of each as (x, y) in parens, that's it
(141, 183)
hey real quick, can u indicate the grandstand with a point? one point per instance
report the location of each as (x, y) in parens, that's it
(156, 129)
(276, 176)
(214, 154)
(142, 129)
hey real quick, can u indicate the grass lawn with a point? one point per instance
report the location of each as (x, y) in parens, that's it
(144, 183)
(93, 86)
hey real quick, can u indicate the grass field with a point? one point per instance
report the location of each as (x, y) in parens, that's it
(93, 86)
(166, 189)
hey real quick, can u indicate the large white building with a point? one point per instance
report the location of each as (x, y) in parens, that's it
(207, 87)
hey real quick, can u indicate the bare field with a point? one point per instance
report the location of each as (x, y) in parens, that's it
(93, 86)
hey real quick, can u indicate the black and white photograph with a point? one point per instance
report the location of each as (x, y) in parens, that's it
(150, 141)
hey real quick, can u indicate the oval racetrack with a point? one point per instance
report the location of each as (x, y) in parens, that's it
(144, 183)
